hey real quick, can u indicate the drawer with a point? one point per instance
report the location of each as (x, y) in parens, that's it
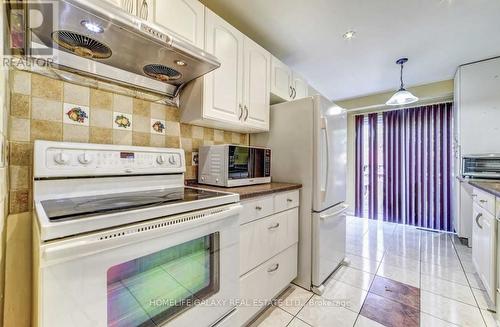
(256, 208)
(286, 200)
(265, 282)
(485, 200)
(266, 237)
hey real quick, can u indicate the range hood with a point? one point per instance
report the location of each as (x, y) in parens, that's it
(97, 39)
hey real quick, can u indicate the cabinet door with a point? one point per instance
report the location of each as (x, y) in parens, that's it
(257, 85)
(488, 249)
(223, 87)
(186, 18)
(478, 105)
(300, 87)
(281, 80)
(477, 252)
(129, 6)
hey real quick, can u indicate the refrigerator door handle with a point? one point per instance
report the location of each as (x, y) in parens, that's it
(333, 214)
(324, 129)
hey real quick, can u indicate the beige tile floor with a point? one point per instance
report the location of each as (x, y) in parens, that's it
(451, 293)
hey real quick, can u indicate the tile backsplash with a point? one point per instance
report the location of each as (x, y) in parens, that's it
(48, 109)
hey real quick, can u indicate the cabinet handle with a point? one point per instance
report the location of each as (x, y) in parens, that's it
(241, 111)
(246, 112)
(258, 208)
(291, 91)
(274, 226)
(474, 195)
(144, 10)
(483, 201)
(274, 268)
(289, 200)
(477, 220)
(294, 93)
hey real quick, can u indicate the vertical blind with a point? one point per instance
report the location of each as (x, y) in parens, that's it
(412, 173)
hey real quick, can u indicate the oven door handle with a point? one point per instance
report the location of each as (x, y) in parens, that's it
(139, 232)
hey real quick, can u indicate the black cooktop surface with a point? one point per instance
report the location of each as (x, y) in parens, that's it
(79, 207)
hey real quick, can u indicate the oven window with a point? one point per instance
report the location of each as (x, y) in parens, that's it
(151, 290)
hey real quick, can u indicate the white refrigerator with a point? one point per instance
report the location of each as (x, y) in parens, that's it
(308, 141)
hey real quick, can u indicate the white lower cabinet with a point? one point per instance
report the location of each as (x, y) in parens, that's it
(261, 285)
(267, 237)
(484, 243)
(268, 250)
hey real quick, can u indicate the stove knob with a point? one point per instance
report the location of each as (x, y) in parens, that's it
(171, 160)
(161, 159)
(85, 158)
(62, 158)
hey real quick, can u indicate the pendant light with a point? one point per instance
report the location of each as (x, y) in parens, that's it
(401, 97)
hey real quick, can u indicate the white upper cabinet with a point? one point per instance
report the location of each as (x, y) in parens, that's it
(223, 88)
(285, 84)
(477, 113)
(186, 18)
(130, 6)
(256, 85)
(300, 87)
(281, 80)
(235, 96)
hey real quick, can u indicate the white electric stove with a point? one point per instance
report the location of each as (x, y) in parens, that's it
(120, 241)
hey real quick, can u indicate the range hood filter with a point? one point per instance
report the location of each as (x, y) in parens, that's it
(81, 45)
(161, 73)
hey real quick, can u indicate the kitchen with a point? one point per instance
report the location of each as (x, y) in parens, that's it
(177, 162)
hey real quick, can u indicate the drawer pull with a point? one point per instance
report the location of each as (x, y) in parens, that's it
(274, 226)
(477, 220)
(289, 200)
(483, 201)
(274, 268)
(258, 208)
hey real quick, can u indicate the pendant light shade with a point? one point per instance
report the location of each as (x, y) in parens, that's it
(402, 96)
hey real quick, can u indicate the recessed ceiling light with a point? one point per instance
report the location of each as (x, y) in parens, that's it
(93, 27)
(180, 63)
(349, 35)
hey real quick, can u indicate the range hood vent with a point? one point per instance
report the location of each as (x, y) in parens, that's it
(81, 45)
(115, 46)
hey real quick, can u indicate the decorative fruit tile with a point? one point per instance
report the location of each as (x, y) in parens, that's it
(76, 114)
(122, 121)
(158, 126)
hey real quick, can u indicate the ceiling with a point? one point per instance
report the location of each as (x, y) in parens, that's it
(436, 35)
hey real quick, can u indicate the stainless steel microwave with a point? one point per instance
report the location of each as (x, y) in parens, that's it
(234, 165)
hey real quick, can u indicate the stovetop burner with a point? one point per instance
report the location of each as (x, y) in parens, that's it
(80, 207)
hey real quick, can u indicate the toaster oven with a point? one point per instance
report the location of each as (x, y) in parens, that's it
(482, 166)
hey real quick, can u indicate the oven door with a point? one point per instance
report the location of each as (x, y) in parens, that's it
(179, 270)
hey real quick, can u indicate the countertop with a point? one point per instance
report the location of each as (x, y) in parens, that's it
(251, 191)
(492, 187)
